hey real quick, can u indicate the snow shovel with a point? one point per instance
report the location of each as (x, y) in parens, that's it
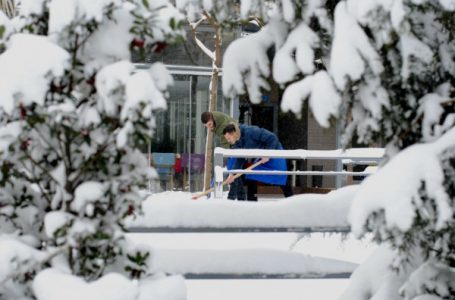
(199, 195)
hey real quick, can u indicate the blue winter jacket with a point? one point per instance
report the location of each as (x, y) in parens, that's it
(253, 137)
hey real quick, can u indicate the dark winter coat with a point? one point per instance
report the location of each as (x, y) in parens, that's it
(221, 120)
(253, 137)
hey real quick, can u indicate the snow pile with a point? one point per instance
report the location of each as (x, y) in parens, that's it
(110, 42)
(249, 69)
(55, 220)
(396, 205)
(52, 284)
(178, 210)
(246, 261)
(375, 277)
(31, 7)
(108, 80)
(351, 52)
(31, 62)
(150, 93)
(7, 27)
(301, 42)
(8, 134)
(324, 99)
(147, 87)
(432, 111)
(395, 188)
(73, 114)
(63, 13)
(223, 10)
(16, 256)
(87, 193)
(430, 276)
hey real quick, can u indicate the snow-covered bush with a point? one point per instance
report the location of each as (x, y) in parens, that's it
(75, 117)
(386, 71)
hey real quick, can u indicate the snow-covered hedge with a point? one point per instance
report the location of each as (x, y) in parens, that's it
(75, 117)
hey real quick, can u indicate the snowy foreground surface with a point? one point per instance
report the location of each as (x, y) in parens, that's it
(203, 253)
(176, 209)
(289, 254)
(247, 253)
(252, 289)
(52, 284)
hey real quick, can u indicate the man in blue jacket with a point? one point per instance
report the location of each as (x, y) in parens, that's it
(253, 137)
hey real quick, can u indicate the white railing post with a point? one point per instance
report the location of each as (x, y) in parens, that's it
(218, 170)
(339, 168)
(340, 156)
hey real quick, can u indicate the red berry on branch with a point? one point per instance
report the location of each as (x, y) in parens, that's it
(25, 144)
(91, 81)
(130, 210)
(22, 111)
(159, 46)
(139, 43)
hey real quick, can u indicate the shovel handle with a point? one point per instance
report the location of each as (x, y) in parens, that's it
(206, 192)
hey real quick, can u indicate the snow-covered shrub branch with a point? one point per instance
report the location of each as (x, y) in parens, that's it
(386, 70)
(75, 119)
(383, 58)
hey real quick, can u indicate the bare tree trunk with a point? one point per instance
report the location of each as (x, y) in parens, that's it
(216, 63)
(8, 7)
(215, 56)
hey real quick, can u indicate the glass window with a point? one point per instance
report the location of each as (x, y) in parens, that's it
(179, 131)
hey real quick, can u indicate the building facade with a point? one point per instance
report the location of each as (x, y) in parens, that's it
(179, 130)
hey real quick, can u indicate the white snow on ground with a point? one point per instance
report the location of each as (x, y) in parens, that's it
(251, 289)
(250, 253)
(276, 253)
(52, 284)
(245, 262)
(176, 209)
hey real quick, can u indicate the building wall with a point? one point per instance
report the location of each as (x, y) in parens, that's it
(185, 127)
(320, 138)
(188, 53)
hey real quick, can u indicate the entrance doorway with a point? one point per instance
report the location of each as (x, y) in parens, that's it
(179, 133)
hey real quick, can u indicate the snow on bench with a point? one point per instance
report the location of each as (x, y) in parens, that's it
(176, 212)
(247, 263)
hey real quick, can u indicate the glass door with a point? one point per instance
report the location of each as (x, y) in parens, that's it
(178, 144)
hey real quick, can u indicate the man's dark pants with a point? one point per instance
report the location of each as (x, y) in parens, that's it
(252, 190)
(236, 190)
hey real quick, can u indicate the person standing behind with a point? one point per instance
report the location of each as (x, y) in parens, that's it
(253, 137)
(178, 172)
(216, 122)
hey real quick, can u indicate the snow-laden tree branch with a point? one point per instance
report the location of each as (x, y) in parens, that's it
(74, 120)
(388, 76)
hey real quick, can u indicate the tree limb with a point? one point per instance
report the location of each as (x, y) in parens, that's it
(200, 44)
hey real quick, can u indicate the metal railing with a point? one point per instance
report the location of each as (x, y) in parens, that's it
(354, 155)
